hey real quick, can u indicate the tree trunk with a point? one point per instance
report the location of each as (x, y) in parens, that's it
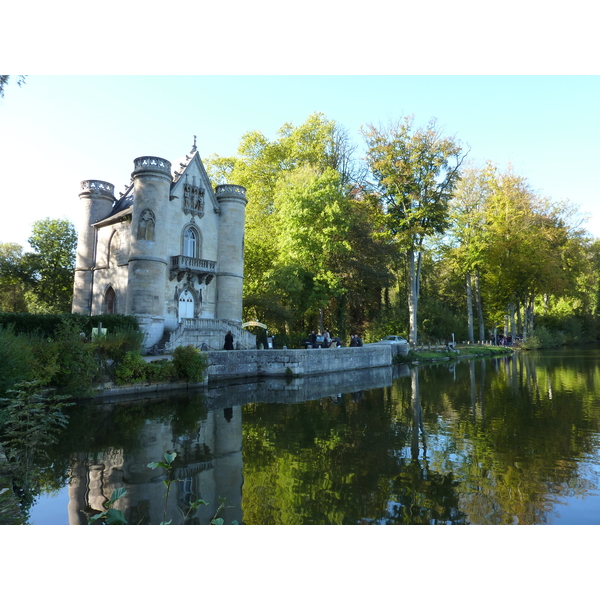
(511, 312)
(413, 295)
(470, 310)
(479, 308)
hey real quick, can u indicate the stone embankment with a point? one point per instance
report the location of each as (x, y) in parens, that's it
(240, 364)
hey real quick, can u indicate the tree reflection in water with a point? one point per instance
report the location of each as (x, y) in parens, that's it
(482, 442)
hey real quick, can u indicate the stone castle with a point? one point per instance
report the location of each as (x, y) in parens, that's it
(169, 251)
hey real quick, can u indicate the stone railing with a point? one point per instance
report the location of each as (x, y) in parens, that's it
(204, 269)
(100, 187)
(151, 163)
(228, 190)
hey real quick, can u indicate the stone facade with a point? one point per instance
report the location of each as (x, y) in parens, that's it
(170, 251)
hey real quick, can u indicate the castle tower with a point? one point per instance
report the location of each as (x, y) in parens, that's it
(230, 264)
(148, 257)
(98, 197)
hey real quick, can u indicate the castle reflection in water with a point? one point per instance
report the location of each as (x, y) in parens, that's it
(209, 463)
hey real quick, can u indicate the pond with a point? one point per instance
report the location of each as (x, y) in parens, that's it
(512, 440)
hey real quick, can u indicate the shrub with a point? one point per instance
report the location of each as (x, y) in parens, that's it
(160, 370)
(77, 369)
(17, 362)
(190, 364)
(132, 369)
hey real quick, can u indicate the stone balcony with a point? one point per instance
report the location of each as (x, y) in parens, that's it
(181, 266)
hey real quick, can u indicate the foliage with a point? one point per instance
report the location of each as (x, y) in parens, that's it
(311, 250)
(132, 369)
(46, 324)
(31, 419)
(13, 278)
(17, 360)
(51, 265)
(415, 173)
(4, 79)
(190, 364)
(111, 516)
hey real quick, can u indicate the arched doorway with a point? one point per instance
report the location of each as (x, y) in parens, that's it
(108, 307)
(186, 305)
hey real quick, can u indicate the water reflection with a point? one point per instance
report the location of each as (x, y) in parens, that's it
(503, 441)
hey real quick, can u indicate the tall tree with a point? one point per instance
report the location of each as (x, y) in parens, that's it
(415, 172)
(302, 223)
(13, 278)
(52, 264)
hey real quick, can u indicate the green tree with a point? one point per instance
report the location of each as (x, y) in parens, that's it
(13, 278)
(415, 173)
(52, 265)
(302, 225)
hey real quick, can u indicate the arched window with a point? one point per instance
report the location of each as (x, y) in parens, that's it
(109, 304)
(189, 243)
(114, 249)
(192, 242)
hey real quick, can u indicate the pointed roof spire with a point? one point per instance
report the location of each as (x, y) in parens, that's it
(194, 149)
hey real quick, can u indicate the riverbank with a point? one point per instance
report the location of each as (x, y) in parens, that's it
(425, 356)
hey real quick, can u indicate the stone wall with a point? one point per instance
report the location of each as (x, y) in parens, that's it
(247, 363)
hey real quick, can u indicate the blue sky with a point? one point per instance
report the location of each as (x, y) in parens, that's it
(60, 130)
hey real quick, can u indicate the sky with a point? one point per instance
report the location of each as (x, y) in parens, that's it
(58, 130)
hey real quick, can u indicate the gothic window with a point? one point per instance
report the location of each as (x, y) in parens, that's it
(146, 226)
(109, 304)
(113, 250)
(191, 242)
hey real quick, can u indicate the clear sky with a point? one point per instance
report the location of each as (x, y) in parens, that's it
(59, 130)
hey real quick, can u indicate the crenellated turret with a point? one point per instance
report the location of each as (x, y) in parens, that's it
(230, 266)
(98, 198)
(147, 270)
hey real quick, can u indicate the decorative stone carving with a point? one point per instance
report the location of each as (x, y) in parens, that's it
(146, 225)
(193, 199)
(95, 185)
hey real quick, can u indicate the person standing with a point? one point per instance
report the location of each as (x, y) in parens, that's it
(228, 341)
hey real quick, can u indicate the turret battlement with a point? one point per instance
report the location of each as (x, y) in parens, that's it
(152, 164)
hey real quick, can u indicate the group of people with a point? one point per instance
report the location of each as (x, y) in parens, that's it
(355, 341)
(501, 340)
(326, 340)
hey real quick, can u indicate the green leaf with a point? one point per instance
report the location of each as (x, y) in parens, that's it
(152, 465)
(117, 494)
(170, 457)
(115, 517)
(218, 521)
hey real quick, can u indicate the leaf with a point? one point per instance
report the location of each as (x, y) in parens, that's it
(115, 517)
(218, 521)
(170, 457)
(166, 522)
(152, 465)
(117, 494)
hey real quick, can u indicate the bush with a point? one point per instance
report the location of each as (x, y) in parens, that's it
(160, 370)
(190, 364)
(132, 369)
(17, 361)
(47, 324)
(77, 368)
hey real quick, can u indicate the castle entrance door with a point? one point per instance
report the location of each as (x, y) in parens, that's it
(186, 305)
